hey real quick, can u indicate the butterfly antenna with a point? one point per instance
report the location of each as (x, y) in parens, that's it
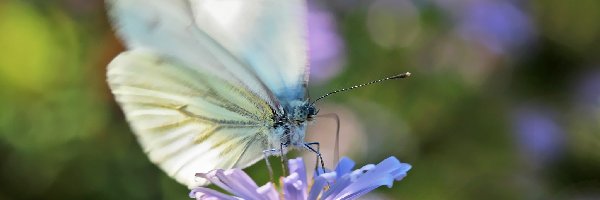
(398, 76)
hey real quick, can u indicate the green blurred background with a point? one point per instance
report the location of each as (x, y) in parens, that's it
(504, 102)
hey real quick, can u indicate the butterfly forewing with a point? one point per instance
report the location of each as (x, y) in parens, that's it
(187, 121)
(268, 34)
(168, 28)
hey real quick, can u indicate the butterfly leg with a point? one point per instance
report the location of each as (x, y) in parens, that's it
(319, 157)
(269, 152)
(283, 158)
(266, 154)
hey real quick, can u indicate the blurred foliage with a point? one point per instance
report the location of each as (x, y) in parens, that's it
(504, 102)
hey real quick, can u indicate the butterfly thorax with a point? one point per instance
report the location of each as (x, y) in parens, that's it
(290, 126)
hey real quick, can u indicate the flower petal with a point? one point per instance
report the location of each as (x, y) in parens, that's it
(401, 172)
(319, 184)
(294, 188)
(234, 181)
(344, 181)
(268, 191)
(344, 166)
(383, 173)
(357, 194)
(241, 184)
(213, 178)
(359, 172)
(297, 166)
(337, 187)
(201, 193)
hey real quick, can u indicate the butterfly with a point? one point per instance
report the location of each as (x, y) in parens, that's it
(211, 84)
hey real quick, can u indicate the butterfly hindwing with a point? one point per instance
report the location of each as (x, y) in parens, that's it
(187, 121)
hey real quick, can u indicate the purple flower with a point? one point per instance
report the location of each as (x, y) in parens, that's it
(342, 183)
(499, 25)
(588, 91)
(538, 134)
(326, 48)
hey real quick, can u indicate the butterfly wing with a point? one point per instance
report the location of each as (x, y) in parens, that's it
(168, 28)
(268, 34)
(187, 121)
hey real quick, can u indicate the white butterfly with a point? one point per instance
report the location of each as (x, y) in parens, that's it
(209, 84)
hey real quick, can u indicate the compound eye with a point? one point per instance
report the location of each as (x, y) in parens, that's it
(311, 110)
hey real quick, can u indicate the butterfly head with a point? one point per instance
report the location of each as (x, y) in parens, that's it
(301, 111)
(305, 111)
(311, 111)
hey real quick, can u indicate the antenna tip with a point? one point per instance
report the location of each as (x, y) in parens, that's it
(403, 75)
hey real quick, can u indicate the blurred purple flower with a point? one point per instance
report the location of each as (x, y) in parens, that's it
(538, 134)
(326, 48)
(588, 91)
(343, 182)
(498, 25)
